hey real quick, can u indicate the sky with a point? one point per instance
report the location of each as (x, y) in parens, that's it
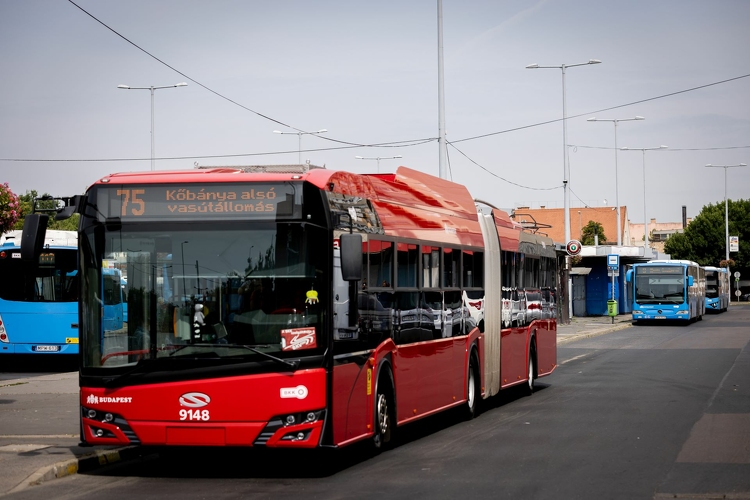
(367, 72)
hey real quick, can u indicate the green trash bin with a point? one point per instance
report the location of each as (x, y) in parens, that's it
(612, 308)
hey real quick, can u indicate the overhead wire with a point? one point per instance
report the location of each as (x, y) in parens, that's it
(499, 177)
(366, 145)
(665, 150)
(222, 96)
(604, 109)
(349, 145)
(203, 157)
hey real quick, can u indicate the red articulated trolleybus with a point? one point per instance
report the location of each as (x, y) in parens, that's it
(270, 307)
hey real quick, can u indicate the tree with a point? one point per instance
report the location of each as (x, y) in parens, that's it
(27, 205)
(10, 208)
(591, 229)
(678, 245)
(704, 238)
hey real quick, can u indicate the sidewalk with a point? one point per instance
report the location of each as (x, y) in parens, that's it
(39, 432)
(591, 326)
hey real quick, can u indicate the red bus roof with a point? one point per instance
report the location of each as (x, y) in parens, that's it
(409, 203)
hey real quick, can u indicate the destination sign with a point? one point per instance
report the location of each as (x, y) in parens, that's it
(661, 270)
(201, 201)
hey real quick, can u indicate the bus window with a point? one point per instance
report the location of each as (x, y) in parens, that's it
(430, 266)
(381, 264)
(451, 267)
(407, 262)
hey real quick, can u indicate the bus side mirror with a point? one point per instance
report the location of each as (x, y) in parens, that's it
(690, 281)
(32, 238)
(351, 257)
(629, 276)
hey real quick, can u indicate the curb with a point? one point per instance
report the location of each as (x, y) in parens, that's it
(72, 466)
(594, 333)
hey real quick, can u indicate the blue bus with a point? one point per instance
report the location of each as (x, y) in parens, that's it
(113, 310)
(39, 299)
(717, 288)
(667, 290)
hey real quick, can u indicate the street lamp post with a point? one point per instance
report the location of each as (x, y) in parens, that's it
(566, 169)
(617, 194)
(299, 141)
(378, 158)
(152, 88)
(726, 205)
(645, 218)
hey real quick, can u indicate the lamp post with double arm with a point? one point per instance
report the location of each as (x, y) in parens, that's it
(152, 89)
(617, 193)
(566, 166)
(378, 158)
(645, 218)
(299, 139)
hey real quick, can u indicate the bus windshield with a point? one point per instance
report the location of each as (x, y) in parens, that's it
(712, 284)
(53, 279)
(660, 289)
(206, 290)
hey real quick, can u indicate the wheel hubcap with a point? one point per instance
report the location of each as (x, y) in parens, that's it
(470, 390)
(382, 413)
(531, 373)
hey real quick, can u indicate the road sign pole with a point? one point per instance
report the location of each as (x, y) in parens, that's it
(737, 292)
(613, 265)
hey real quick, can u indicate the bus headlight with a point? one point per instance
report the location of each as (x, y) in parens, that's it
(3, 333)
(683, 313)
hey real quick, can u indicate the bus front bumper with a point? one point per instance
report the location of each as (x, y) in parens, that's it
(660, 314)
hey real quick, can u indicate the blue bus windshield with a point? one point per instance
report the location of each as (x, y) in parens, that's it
(53, 279)
(655, 288)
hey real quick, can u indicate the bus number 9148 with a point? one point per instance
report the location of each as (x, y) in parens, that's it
(194, 415)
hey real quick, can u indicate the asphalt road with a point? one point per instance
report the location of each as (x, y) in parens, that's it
(647, 412)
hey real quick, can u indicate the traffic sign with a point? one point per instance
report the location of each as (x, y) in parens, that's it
(737, 293)
(573, 248)
(736, 274)
(613, 261)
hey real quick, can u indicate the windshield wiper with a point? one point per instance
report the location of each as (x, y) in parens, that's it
(293, 363)
(139, 367)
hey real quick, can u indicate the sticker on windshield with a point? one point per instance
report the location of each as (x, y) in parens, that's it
(294, 339)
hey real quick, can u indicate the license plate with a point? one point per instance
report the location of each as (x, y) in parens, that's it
(47, 348)
(661, 317)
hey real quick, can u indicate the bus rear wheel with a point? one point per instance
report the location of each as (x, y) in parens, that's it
(532, 371)
(384, 420)
(473, 390)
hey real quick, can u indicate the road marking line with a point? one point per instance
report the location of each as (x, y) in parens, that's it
(577, 357)
(37, 436)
